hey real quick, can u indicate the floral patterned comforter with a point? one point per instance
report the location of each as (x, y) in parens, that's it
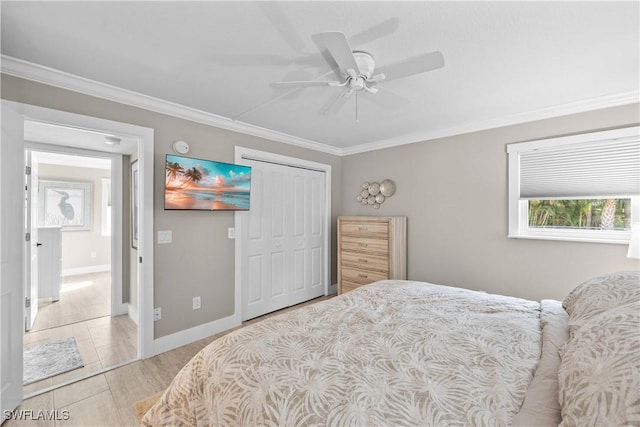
(390, 353)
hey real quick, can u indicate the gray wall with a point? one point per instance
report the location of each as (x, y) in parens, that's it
(201, 259)
(454, 194)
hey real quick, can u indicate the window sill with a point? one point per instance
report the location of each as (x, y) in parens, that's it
(608, 240)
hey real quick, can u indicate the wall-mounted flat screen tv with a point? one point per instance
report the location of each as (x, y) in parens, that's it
(197, 184)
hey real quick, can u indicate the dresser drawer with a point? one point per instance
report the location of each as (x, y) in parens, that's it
(361, 228)
(365, 261)
(361, 277)
(359, 244)
(348, 286)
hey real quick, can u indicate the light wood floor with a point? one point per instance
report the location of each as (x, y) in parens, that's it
(103, 341)
(107, 399)
(82, 297)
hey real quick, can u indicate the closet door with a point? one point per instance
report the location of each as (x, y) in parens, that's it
(282, 246)
(307, 229)
(265, 244)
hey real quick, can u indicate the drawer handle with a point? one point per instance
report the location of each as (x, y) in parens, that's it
(362, 228)
(363, 260)
(364, 245)
(364, 276)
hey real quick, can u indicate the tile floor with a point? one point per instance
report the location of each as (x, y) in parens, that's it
(82, 297)
(104, 341)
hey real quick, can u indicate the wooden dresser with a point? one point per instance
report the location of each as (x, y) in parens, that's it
(370, 248)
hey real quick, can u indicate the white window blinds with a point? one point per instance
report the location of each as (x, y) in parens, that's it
(596, 165)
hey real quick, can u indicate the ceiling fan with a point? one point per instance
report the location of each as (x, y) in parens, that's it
(357, 67)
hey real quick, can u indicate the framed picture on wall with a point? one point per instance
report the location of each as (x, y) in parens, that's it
(135, 210)
(66, 204)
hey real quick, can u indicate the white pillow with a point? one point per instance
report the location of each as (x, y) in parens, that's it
(600, 294)
(599, 375)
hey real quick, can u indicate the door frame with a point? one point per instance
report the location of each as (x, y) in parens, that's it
(243, 153)
(117, 199)
(31, 271)
(145, 153)
(11, 259)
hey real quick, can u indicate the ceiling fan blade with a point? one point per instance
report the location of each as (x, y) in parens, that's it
(274, 13)
(335, 103)
(306, 83)
(376, 78)
(388, 99)
(338, 46)
(377, 31)
(245, 60)
(275, 99)
(416, 65)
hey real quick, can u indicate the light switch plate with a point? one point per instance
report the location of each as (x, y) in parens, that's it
(231, 233)
(165, 236)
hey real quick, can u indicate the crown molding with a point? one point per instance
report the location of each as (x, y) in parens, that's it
(607, 101)
(50, 76)
(38, 73)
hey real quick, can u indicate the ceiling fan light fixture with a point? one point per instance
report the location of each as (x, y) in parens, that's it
(357, 83)
(365, 62)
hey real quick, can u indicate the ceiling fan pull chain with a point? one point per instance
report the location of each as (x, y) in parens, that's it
(357, 121)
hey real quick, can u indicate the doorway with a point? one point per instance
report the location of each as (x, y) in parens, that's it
(75, 308)
(138, 142)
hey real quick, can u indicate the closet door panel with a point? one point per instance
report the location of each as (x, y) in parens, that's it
(265, 281)
(255, 279)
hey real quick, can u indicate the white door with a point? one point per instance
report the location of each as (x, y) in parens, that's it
(307, 205)
(283, 240)
(11, 258)
(265, 243)
(31, 245)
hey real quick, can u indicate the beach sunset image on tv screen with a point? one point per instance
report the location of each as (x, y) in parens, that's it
(196, 184)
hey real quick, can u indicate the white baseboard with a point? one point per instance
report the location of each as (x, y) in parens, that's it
(119, 309)
(133, 313)
(86, 270)
(178, 339)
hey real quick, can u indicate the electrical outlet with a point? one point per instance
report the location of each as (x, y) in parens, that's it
(196, 303)
(157, 314)
(94, 254)
(231, 233)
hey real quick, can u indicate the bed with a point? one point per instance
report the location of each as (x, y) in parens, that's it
(413, 353)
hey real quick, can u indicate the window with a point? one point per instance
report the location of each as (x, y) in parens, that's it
(582, 187)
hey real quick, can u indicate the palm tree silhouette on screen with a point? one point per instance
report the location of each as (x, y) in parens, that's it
(192, 175)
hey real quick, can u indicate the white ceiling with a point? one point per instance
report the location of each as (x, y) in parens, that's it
(505, 62)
